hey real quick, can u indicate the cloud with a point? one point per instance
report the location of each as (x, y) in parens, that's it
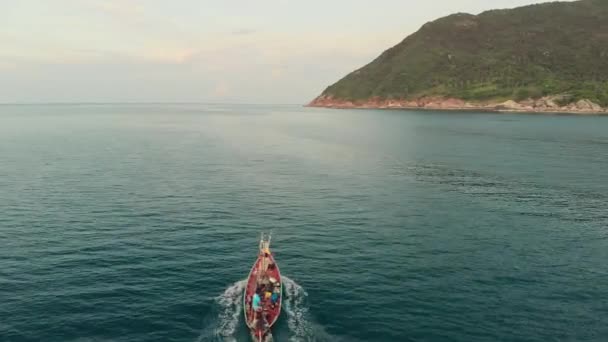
(119, 8)
(7, 65)
(221, 90)
(276, 73)
(172, 55)
(243, 31)
(122, 51)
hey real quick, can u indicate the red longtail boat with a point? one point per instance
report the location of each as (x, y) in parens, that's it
(263, 293)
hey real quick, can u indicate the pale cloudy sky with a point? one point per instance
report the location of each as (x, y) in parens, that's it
(245, 51)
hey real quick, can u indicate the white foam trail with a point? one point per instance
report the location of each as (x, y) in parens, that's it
(302, 327)
(231, 304)
(298, 317)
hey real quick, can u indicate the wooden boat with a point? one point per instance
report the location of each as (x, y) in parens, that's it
(265, 280)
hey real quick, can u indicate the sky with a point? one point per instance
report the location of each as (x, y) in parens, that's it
(217, 51)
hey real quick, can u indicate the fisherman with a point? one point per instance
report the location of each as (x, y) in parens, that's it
(265, 281)
(256, 303)
(261, 323)
(274, 298)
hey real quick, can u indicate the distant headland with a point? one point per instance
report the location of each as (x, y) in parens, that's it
(550, 57)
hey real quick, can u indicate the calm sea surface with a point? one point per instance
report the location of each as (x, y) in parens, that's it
(139, 223)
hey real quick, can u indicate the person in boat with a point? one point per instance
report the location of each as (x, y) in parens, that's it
(276, 292)
(265, 282)
(256, 302)
(259, 322)
(261, 289)
(274, 299)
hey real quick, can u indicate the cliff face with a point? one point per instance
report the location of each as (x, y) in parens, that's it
(546, 57)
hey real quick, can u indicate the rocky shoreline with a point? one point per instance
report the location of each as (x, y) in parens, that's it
(547, 104)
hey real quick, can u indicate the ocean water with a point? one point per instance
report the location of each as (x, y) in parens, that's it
(140, 222)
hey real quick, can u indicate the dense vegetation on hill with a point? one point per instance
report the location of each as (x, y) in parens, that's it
(527, 52)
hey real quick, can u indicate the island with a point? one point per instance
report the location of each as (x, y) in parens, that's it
(549, 57)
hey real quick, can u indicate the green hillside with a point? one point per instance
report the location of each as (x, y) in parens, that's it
(527, 52)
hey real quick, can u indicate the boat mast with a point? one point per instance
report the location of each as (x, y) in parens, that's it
(264, 246)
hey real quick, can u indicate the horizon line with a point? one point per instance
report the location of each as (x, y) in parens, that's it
(143, 103)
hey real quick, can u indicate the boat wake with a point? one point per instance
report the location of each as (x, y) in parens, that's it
(298, 316)
(228, 325)
(231, 306)
(301, 325)
(227, 315)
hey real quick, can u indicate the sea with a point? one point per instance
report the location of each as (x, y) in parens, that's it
(140, 222)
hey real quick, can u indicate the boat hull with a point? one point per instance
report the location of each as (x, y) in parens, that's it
(260, 322)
